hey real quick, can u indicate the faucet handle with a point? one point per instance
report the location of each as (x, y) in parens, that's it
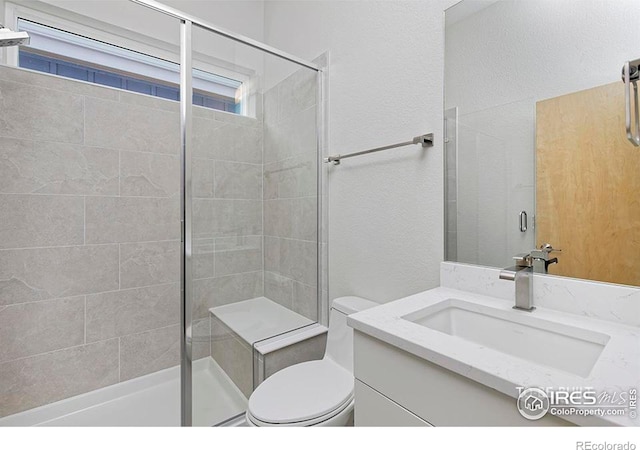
(549, 248)
(522, 259)
(544, 251)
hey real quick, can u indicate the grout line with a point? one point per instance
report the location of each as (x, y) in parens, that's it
(59, 350)
(119, 268)
(119, 173)
(119, 361)
(84, 220)
(217, 277)
(85, 319)
(98, 293)
(102, 147)
(262, 182)
(213, 180)
(89, 245)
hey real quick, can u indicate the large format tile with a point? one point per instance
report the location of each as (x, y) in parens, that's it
(149, 351)
(204, 136)
(149, 175)
(202, 218)
(237, 119)
(238, 254)
(292, 137)
(223, 217)
(236, 217)
(31, 328)
(129, 219)
(123, 126)
(301, 261)
(235, 357)
(294, 218)
(278, 289)
(44, 80)
(293, 177)
(202, 178)
(44, 273)
(210, 292)
(114, 314)
(201, 338)
(305, 132)
(239, 143)
(148, 101)
(292, 258)
(145, 264)
(202, 261)
(305, 300)
(36, 113)
(40, 220)
(278, 142)
(237, 180)
(28, 166)
(297, 93)
(235, 288)
(29, 382)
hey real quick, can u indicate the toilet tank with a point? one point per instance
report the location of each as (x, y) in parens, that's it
(340, 337)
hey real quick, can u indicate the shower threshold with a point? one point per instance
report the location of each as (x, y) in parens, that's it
(147, 401)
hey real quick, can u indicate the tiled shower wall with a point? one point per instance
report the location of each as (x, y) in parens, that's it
(290, 193)
(89, 233)
(227, 210)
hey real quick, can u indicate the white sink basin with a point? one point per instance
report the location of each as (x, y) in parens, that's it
(515, 333)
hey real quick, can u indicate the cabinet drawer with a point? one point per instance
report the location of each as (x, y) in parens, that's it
(434, 394)
(375, 410)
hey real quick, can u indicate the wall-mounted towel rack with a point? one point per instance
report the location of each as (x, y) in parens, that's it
(426, 140)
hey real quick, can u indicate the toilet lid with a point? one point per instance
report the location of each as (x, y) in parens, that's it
(302, 392)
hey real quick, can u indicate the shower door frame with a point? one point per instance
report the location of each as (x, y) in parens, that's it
(187, 22)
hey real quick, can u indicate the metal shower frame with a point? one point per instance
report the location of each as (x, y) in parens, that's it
(186, 102)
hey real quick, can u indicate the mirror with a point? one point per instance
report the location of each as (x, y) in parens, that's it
(535, 142)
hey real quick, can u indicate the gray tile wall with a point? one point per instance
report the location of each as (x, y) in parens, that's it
(89, 233)
(227, 210)
(290, 194)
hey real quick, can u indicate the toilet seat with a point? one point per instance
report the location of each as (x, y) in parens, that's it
(340, 417)
(304, 394)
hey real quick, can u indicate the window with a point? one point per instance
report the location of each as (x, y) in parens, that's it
(73, 56)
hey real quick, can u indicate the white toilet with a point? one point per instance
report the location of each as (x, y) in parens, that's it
(313, 393)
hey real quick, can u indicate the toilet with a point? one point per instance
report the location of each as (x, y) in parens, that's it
(313, 393)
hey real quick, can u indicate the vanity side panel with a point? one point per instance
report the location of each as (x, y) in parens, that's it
(436, 395)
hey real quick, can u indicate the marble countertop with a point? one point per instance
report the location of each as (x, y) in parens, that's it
(616, 370)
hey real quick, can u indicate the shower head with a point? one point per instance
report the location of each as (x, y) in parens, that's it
(10, 38)
(634, 71)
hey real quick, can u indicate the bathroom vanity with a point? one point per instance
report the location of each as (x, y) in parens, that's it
(456, 355)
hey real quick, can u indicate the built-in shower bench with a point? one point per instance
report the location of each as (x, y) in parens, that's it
(253, 339)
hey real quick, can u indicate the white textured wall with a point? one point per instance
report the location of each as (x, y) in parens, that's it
(386, 79)
(499, 62)
(241, 16)
(539, 48)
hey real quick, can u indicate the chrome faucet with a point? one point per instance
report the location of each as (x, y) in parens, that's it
(526, 264)
(522, 274)
(541, 258)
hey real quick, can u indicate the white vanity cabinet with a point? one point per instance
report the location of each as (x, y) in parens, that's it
(396, 388)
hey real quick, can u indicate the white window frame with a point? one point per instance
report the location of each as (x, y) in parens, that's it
(100, 31)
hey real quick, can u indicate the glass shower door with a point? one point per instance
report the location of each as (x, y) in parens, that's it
(253, 224)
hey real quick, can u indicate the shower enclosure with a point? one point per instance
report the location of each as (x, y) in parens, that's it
(159, 257)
